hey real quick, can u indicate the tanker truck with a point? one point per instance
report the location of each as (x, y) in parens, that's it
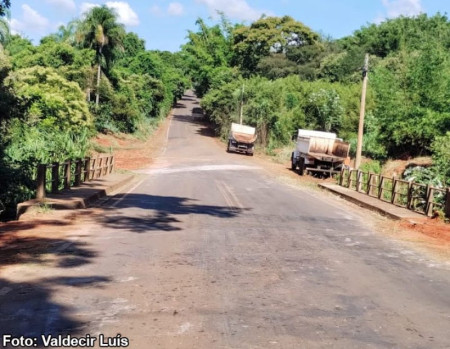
(241, 139)
(320, 153)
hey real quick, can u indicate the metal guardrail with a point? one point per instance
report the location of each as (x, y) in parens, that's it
(57, 176)
(417, 197)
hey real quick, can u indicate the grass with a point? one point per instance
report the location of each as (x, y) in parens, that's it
(101, 148)
(122, 171)
(280, 155)
(44, 207)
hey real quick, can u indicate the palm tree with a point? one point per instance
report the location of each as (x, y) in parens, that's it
(4, 25)
(100, 31)
(67, 33)
(4, 30)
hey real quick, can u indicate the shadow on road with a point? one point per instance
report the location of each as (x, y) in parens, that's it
(28, 309)
(205, 128)
(27, 250)
(162, 212)
(27, 305)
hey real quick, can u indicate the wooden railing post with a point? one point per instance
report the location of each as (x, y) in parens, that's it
(78, 170)
(447, 203)
(105, 168)
(87, 169)
(394, 189)
(112, 164)
(380, 187)
(100, 164)
(67, 167)
(341, 177)
(410, 195)
(430, 201)
(55, 177)
(93, 167)
(360, 181)
(41, 179)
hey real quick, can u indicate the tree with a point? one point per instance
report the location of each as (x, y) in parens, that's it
(324, 107)
(4, 31)
(132, 45)
(5, 67)
(4, 7)
(65, 34)
(47, 100)
(207, 49)
(268, 35)
(276, 66)
(100, 31)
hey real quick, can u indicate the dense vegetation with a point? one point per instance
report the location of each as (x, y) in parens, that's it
(289, 77)
(92, 76)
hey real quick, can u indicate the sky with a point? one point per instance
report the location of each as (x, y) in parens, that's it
(164, 24)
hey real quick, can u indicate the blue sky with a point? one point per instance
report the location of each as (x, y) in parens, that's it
(163, 24)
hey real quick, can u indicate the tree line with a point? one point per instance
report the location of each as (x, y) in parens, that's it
(289, 77)
(90, 76)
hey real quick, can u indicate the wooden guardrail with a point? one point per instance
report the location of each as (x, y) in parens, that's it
(57, 176)
(417, 197)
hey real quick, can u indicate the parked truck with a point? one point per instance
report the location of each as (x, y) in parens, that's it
(241, 139)
(321, 153)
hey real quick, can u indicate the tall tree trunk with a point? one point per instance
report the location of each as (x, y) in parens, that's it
(97, 92)
(99, 73)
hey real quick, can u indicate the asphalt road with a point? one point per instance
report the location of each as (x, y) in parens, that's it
(209, 250)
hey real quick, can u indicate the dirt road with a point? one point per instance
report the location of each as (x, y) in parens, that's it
(209, 250)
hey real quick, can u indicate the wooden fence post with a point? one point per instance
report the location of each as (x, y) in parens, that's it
(112, 164)
(380, 187)
(100, 164)
(105, 170)
(41, 179)
(78, 169)
(447, 203)
(55, 177)
(410, 195)
(358, 180)
(87, 169)
(394, 188)
(430, 201)
(341, 178)
(67, 167)
(93, 167)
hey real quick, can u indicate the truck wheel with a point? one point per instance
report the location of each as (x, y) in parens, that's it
(301, 166)
(293, 163)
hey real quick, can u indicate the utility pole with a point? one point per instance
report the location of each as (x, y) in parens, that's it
(242, 105)
(362, 112)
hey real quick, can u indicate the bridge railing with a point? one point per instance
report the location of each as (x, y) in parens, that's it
(54, 177)
(417, 197)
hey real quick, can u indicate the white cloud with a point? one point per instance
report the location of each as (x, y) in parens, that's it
(175, 9)
(63, 5)
(87, 6)
(235, 9)
(31, 21)
(156, 10)
(396, 8)
(126, 14)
